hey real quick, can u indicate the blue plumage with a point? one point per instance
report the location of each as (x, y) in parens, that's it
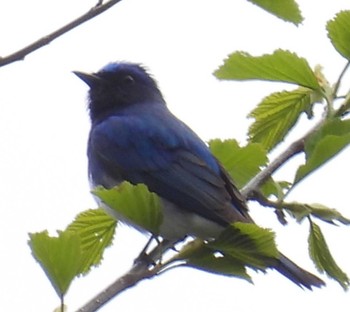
(134, 137)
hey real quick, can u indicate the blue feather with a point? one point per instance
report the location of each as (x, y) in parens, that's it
(134, 137)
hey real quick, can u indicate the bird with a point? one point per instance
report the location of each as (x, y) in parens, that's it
(134, 137)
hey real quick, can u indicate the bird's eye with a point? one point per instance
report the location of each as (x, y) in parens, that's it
(128, 80)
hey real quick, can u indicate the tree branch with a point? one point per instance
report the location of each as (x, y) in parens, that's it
(136, 274)
(22, 53)
(141, 270)
(292, 150)
(295, 148)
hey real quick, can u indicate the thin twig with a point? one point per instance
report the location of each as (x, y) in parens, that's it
(140, 271)
(136, 274)
(295, 148)
(344, 108)
(254, 184)
(337, 84)
(22, 53)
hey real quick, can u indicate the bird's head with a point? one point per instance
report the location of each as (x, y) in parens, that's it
(118, 85)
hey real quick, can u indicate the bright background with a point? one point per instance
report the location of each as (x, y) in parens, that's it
(44, 127)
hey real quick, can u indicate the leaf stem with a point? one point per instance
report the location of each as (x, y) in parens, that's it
(337, 84)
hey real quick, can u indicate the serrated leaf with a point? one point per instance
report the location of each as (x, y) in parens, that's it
(248, 243)
(287, 10)
(327, 214)
(96, 230)
(197, 255)
(283, 66)
(135, 203)
(219, 264)
(301, 210)
(242, 163)
(339, 33)
(276, 115)
(59, 257)
(322, 257)
(327, 142)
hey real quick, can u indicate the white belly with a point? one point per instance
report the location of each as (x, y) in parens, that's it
(177, 223)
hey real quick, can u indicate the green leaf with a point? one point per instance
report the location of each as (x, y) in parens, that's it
(327, 142)
(287, 10)
(322, 257)
(135, 203)
(59, 257)
(283, 66)
(298, 210)
(247, 243)
(301, 210)
(96, 230)
(197, 255)
(327, 214)
(242, 163)
(219, 264)
(276, 188)
(277, 114)
(339, 33)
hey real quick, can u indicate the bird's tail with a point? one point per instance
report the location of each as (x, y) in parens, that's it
(296, 274)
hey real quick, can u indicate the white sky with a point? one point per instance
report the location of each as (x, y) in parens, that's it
(44, 128)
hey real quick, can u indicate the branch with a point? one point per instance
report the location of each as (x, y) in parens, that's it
(22, 53)
(129, 279)
(140, 271)
(253, 185)
(295, 148)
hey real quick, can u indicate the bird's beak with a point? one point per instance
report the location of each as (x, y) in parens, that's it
(90, 79)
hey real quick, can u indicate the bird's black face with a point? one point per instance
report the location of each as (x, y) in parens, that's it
(118, 85)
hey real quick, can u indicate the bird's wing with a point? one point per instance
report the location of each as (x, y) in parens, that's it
(176, 165)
